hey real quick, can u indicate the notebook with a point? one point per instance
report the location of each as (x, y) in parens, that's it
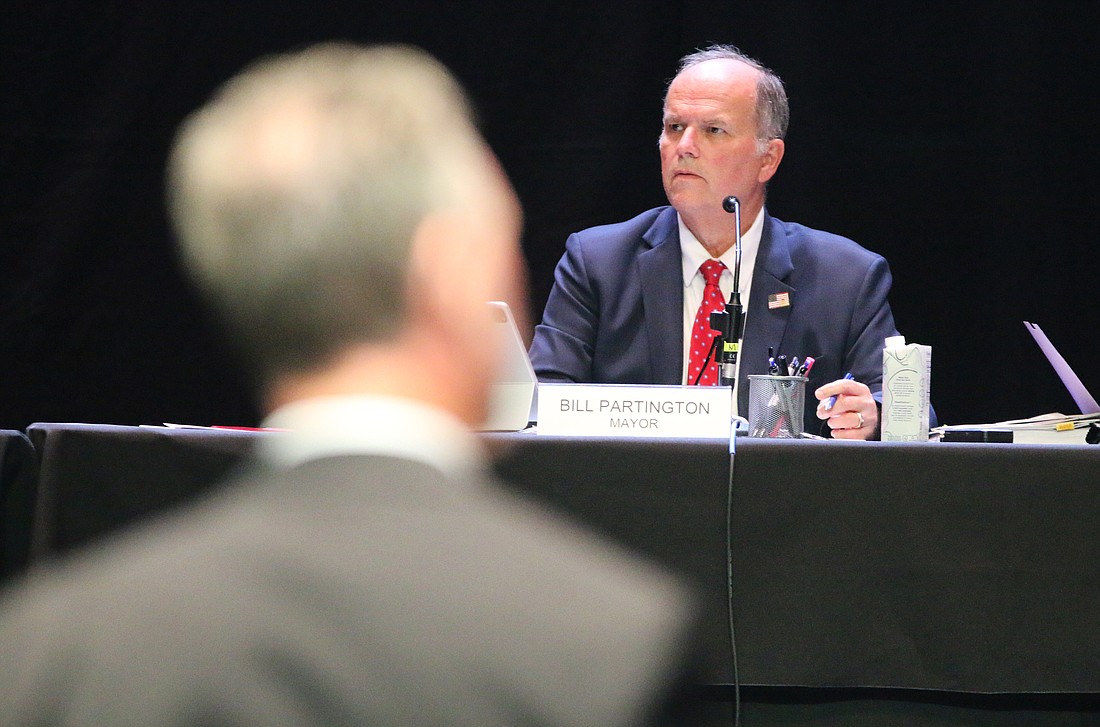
(513, 393)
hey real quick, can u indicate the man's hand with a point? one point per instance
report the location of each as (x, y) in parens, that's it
(855, 413)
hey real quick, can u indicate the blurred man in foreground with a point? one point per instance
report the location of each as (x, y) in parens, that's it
(341, 213)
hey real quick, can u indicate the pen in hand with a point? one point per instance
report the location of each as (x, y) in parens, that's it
(832, 399)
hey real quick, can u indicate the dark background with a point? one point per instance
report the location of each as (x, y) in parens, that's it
(956, 139)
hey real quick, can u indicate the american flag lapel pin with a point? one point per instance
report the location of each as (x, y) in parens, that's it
(779, 300)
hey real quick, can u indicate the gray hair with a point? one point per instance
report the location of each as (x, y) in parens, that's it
(773, 112)
(297, 190)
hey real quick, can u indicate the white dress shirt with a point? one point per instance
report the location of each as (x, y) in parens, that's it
(693, 254)
(375, 425)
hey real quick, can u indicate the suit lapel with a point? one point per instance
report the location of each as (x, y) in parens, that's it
(659, 273)
(765, 326)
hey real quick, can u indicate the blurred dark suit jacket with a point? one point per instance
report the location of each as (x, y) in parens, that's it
(348, 590)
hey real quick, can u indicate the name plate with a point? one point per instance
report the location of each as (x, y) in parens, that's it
(634, 410)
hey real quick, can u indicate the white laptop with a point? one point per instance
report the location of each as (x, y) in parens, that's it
(1085, 401)
(513, 394)
(1053, 428)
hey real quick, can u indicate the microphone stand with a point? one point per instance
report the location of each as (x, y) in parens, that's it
(730, 323)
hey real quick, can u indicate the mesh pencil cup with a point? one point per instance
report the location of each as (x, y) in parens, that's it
(776, 406)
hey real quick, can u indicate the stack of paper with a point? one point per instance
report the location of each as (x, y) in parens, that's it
(1042, 429)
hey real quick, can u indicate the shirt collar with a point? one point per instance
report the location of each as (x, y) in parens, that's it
(372, 425)
(694, 254)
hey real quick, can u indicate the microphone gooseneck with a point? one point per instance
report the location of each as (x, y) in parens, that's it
(730, 322)
(733, 205)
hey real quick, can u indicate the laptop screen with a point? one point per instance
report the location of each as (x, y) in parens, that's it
(513, 392)
(1085, 401)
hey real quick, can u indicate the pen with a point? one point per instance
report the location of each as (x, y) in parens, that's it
(832, 399)
(807, 364)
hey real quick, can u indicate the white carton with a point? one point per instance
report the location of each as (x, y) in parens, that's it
(906, 390)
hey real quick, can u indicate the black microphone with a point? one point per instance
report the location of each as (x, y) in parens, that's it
(730, 323)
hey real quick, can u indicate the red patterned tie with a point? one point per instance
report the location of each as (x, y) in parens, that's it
(702, 335)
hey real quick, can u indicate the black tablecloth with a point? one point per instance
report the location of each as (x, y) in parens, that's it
(94, 478)
(911, 569)
(934, 566)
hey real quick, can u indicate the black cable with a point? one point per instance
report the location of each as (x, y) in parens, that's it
(733, 206)
(714, 343)
(729, 577)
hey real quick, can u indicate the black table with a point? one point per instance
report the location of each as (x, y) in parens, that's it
(872, 582)
(94, 478)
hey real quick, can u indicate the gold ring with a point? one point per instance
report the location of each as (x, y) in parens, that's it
(861, 421)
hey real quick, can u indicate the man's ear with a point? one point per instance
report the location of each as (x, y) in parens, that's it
(770, 159)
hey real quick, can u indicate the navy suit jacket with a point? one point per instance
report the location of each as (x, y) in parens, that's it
(615, 313)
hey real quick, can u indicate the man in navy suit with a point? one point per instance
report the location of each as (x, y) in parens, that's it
(625, 296)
